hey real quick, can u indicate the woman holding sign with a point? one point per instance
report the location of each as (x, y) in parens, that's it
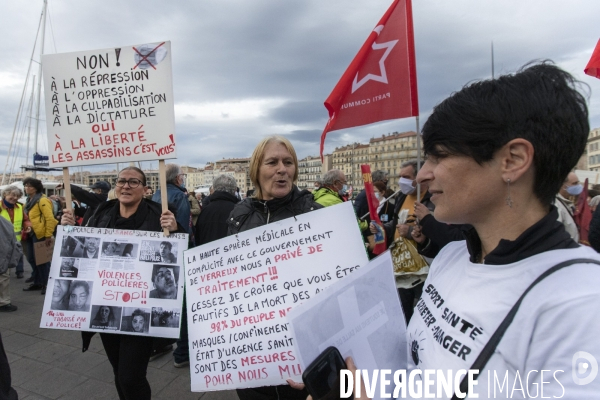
(128, 354)
(39, 210)
(518, 297)
(273, 171)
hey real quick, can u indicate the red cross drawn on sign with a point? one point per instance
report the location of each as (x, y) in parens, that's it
(145, 57)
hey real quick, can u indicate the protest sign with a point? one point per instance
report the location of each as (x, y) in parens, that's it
(361, 316)
(240, 288)
(115, 281)
(110, 105)
(43, 252)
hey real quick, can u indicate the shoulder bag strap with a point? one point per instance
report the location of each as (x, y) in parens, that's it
(491, 345)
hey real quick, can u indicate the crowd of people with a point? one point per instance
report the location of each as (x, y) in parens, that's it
(493, 207)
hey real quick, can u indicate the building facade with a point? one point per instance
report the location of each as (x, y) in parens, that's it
(593, 150)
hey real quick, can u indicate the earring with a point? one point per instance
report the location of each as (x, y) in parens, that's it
(509, 201)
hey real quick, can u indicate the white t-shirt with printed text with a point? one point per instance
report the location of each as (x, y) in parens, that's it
(463, 303)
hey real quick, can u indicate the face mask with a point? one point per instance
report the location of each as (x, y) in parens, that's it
(345, 188)
(406, 186)
(378, 196)
(575, 190)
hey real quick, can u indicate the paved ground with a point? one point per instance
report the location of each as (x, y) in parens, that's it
(49, 364)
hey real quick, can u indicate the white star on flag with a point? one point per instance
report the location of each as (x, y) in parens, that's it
(379, 78)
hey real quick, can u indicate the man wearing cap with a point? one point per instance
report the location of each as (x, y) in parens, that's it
(97, 195)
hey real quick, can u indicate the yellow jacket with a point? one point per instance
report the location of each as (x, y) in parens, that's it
(42, 218)
(18, 222)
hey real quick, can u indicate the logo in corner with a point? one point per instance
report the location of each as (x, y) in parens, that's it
(582, 363)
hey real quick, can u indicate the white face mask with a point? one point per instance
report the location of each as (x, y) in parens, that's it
(406, 186)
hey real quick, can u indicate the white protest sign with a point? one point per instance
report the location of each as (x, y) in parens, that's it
(240, 288)
(115, 281)
(110, 105)
(360, 315)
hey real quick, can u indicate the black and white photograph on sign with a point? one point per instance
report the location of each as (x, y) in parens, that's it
(155, 251)
(135, 320)
(164, 281)
(60, 294)
(69, 268)
(165, 318)
(119, 249)
(80, 295)
(80, 247)
(106, 317)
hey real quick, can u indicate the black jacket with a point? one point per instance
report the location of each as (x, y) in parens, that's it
(251, 213)
(390, 227)
(146, 218)
(212, 221)
(594, 233)
(438, 235)
(151, 221)
(361, 206)
(92, 200)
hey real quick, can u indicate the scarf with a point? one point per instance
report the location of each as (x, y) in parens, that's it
(7, 204)
(32, 201)
(133, 222)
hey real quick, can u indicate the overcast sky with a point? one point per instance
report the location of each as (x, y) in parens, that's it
(243, 69)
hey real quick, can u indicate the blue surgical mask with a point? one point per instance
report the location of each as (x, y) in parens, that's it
(575, 190)
(345, 188)
(406, 186)
(378, 196)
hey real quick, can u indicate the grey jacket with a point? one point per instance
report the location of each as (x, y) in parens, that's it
(10, 248)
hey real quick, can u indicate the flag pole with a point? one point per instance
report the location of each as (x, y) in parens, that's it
(418, 157)
(492, 59)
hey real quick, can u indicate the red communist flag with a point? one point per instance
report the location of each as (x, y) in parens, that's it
(593, 66)
(381, 81)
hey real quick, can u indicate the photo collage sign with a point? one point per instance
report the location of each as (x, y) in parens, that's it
(116, 281)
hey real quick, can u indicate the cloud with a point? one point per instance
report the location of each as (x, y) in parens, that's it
(299, 113)
(243, 70)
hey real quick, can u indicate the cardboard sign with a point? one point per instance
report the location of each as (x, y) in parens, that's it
(240, 288)
(110, 105)
(115, 281)
(361, 316)
(42, 252)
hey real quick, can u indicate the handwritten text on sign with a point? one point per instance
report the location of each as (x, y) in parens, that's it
(240, 288)
(103, 280)
(111, 104)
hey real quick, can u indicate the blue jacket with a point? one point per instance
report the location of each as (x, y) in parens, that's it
(178, 201)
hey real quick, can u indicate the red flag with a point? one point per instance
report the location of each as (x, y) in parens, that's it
(583, 215)
(381, 81)
(380, 244)
(593, 66)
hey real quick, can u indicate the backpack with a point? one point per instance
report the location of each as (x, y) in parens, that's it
(56, 209)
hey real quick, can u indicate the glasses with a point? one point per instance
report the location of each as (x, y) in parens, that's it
(133, 183)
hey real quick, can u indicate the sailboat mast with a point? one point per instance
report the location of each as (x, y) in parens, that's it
(39, 92)
(29, 109)
(492, 59)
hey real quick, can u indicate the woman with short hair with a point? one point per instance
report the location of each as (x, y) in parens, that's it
(497, 152)
(273, 171)
(13, 211)
(40, 211)
(129, 354)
